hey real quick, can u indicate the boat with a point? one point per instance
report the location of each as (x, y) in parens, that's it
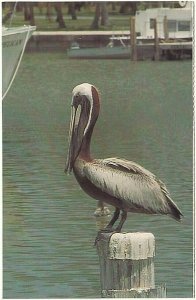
(14, 40)
(117, 48)
(172, 23)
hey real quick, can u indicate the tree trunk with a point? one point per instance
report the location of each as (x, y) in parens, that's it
(40, 6)
(133, 5)
(8, 14)
(48, 11)
(31, 14)
(6, 17)
(58, 8)
(128, 6)
(123, 8)
(113, 6)
(26, 12)
(104, 14)
(95, 23)
(72, 10)
(19, 7)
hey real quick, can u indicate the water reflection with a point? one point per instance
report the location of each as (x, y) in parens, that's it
(102, 222)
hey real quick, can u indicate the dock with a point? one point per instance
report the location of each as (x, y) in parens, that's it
(143, 49)
(167, 51)
(61, 40)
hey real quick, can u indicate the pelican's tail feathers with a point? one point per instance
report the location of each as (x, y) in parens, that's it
(176, 213)
(173, 209)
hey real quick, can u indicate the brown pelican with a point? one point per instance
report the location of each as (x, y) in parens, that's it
(119, 182)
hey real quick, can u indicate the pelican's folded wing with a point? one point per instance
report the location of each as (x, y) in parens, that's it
(128, 181)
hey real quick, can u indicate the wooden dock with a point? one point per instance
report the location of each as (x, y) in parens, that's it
(158, 48)
(164, 50)
(61, 40)
(140, 49)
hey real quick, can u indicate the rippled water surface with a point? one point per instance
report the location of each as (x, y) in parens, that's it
(49, 227)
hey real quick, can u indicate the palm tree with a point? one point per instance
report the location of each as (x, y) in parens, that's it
(59, 19)
(100, 11)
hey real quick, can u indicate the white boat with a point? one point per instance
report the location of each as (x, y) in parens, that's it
(14, 41)
(176, 22)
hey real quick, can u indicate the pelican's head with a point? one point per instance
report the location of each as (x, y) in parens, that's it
(84, 113)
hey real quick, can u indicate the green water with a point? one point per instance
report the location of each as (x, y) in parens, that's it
(49, 227)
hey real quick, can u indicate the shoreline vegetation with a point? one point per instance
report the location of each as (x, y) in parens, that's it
(75, 16)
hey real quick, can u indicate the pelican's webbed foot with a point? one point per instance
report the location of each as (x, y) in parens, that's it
(109, 230)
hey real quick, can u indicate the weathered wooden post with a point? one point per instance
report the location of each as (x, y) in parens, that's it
(127, 265)
(165, 27)
(156, 41)
(133, 40)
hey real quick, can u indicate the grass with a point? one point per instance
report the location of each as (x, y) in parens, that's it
(84, 19)
(43, 24)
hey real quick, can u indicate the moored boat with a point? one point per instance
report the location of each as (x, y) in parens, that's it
(116, 48)
(14, 40)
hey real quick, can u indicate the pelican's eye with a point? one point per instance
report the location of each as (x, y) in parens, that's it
(77, 95)
(77, 100)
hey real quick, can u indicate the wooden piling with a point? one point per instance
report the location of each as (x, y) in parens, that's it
(165, 26)
(156, 41)
(127, 265)
(133, 40)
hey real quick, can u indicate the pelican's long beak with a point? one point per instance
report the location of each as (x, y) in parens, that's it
(76, 134)
(82, 120)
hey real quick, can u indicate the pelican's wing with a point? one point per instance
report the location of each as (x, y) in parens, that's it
(134, 185)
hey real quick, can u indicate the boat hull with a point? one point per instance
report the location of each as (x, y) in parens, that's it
(14, 41)
(100, 53)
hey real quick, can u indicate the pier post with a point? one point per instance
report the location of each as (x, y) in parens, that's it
(127, 265)
(165, 26)
(133, 40)
(156, 42)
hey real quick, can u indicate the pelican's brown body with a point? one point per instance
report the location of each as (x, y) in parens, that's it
(124, 184)
(90, 188)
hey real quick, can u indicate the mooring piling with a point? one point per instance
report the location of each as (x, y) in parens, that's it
(133, 39)
(127, 265)
(156, 42)
(166, 32)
